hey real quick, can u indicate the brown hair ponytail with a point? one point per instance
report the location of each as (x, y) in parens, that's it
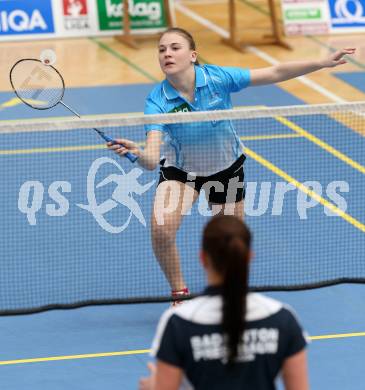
(227, 241)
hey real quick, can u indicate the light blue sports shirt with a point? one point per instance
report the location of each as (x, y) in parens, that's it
(207, 147)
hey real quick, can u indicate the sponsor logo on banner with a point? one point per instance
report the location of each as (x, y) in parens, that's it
(143, 14)
(75, 14)
(26, 17)
(302, 17)
(347, 14)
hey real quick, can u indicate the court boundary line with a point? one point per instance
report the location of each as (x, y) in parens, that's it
(124, 59)
(291, 180)
(78, 148)
(322, 144)
(146, 351)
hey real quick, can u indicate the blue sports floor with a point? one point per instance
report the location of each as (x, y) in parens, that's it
(106, 346)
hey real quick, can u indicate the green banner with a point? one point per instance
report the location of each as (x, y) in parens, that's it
(303, 14)
(144, 14)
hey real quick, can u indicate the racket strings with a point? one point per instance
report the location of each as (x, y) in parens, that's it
(36, 84)
(41, 86)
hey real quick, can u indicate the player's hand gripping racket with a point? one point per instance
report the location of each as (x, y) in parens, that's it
(41, 86)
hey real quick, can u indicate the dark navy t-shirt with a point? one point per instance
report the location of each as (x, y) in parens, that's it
(190, 337)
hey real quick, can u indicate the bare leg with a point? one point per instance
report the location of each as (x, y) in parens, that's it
(228, 209)
(172, 201)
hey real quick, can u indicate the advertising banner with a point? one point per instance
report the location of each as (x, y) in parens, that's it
(144, 14)
(305, 17)
(347, 15)
(19, 18)
(75, 17)
(39, 19)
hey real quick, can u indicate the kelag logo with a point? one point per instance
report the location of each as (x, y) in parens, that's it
(26, 17)
(143, 14)
(347, 13)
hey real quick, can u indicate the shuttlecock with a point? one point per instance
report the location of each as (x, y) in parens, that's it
(48, 57)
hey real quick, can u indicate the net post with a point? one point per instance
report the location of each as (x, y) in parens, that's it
(276, 36)
(128, 38)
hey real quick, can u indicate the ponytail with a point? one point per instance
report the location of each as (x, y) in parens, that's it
(234, 294)
(227, 242)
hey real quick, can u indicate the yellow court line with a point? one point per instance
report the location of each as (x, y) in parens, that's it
(145, 351)
(268, 137)
(51, 150)
(337, 336)
(267, 164)
(72, 357)
(102, 146)
(328, 148)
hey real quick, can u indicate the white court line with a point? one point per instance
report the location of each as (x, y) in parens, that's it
(303, 79)
(220, 31)
(266, 57)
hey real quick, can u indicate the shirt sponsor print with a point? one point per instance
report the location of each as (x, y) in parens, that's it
(263, 341)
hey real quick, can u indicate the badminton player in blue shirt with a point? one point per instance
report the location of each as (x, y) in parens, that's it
(195, 156)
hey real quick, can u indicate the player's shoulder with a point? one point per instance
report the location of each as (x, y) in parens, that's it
(225, 74)
(207, 309)
(157, 93)
(262, 307)
(211, 70)
(156, 101)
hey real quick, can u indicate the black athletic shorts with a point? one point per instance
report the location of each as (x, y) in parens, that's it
(222, 187)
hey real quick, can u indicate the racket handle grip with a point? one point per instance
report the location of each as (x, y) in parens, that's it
(130, 156)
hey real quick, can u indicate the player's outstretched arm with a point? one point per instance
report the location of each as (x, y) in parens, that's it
(289, 70)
